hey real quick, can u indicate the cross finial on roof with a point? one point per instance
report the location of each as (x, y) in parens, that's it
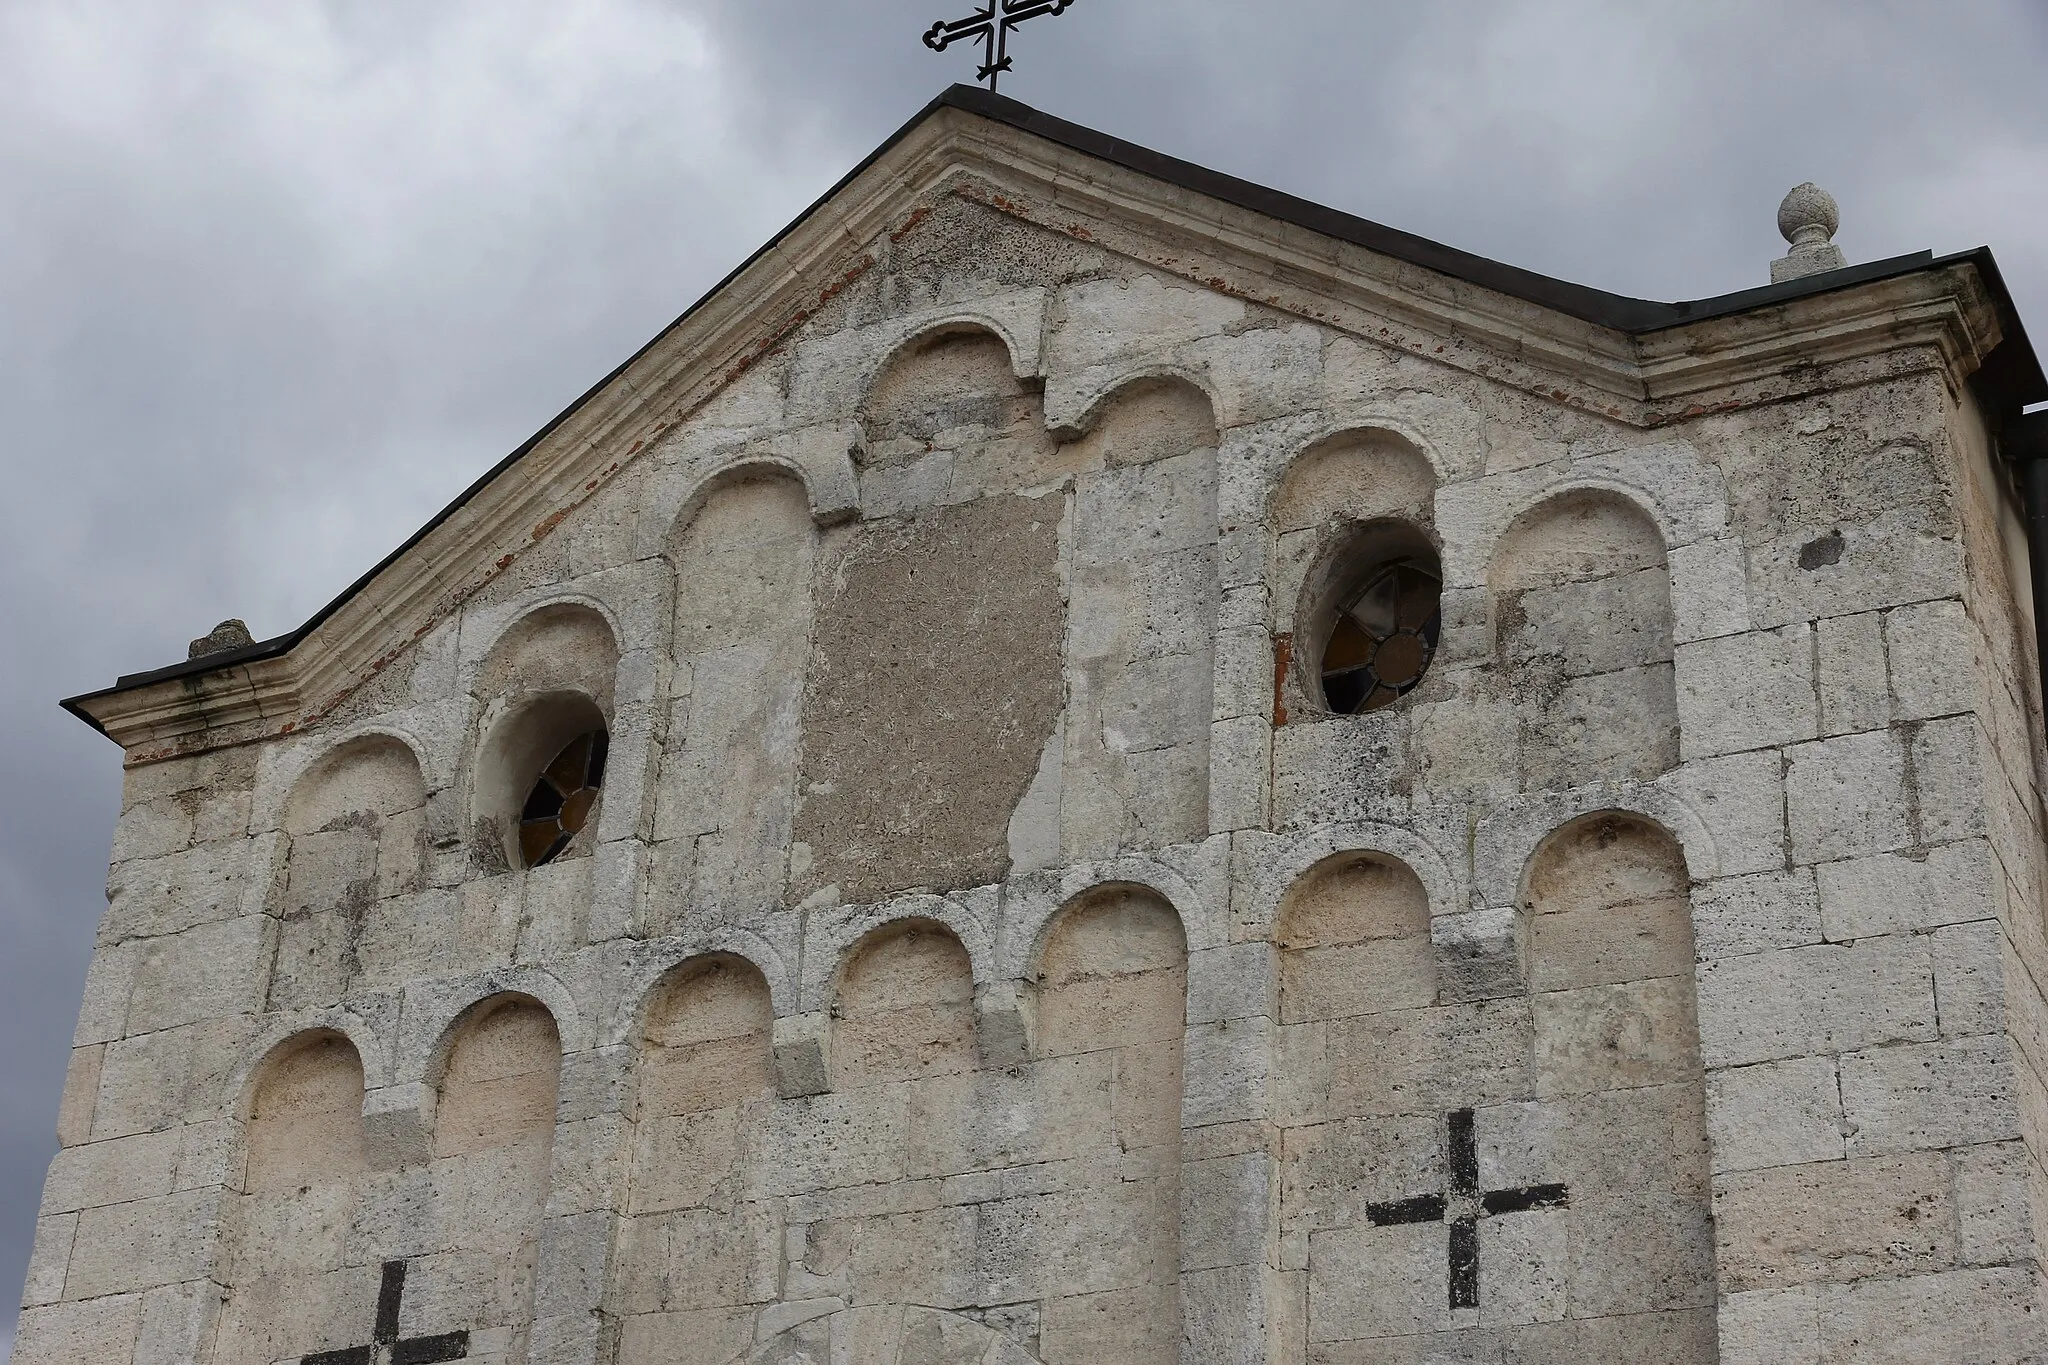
(991, 24)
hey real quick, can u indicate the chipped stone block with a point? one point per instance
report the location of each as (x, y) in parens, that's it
(122, 1248)
(49, 1258)
(141, 1166)
(1709, 590)
(1969, 978)
(101, 1330)
(1948, 780)
(1741, 801)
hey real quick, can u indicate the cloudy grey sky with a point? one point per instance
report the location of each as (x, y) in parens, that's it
(279, 277)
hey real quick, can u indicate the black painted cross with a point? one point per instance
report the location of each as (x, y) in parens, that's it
(386, 1346)
(992, 24)
(1463, 1204)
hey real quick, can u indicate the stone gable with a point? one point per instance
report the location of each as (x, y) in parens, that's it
(866, 841)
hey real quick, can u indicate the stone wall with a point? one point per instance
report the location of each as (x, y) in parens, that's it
(987, 948)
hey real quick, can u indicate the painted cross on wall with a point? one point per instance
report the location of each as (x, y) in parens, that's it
(1462, 1204)
(386, 1347)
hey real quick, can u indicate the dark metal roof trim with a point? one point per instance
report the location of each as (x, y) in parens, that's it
(2012, 374)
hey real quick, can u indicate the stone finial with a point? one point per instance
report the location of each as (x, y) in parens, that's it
(229, 634)
(1808, 219)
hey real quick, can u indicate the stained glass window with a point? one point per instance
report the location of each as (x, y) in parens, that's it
(1383, 638)
(562, 798)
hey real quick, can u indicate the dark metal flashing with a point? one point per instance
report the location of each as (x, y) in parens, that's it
(2010, 378)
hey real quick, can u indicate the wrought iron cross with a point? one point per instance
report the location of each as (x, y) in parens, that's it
(1462, 1205)
(991, 24)
(386, 1346)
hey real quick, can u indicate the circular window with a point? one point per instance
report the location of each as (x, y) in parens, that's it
(562, 799)
(1383, 637)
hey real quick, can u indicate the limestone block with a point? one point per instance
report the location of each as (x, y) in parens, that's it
(1930, 649)
(1341, 769)
(1948, 780)
(1347, 979)
(48, 1259)
(1618, 726)
(1231, 981)
(1709, 590)
(1970, 1317)
(1223, 1319)
(102, 1330)
(152, 829)
(1640, 1252)
(1600, 626)
(1991, 1187)
(1746, 691)
(569, 1274)
(1244, 674)
(1225, 1206)
(1755, 913)
(713, 1336)
(143, 1081)
(1227, 1065)
(1032, 1246)
(1614, 1141)
(122, 1248)
(1609, 1037)
(1680, 1334)
(1329, 1172)
(1431, 1060)
(1853, 692)
(154, 896)
(1795, 1002)
(921, 1256)
(1117, 1324)
(1098, 320)
(1478, 955)
(1894, 893)
(1378, 1282)
(1888, 560)
(199, 973)
(1262, 373)
(1771, 1327)
(1970, 963)
(141, 1166)
(1835, 1221)
(1775, 1114)
(815, 1152)
(1946, 1094)
(1527, 1267)
(81, 1094)
(1740, 799)
(177, 1323)
(1846, 797)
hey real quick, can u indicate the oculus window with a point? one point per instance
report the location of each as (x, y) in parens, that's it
(563, 799)
(1380, 618)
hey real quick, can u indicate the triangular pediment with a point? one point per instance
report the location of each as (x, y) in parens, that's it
(975, 163)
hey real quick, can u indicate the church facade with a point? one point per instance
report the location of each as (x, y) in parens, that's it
(1090, 764)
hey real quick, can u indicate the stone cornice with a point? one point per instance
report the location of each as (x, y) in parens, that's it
(1921, 319)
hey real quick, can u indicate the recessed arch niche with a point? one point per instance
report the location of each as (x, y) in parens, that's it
(1579, 596)
(1356, 578)
(292, 1267)
(355, 825)
(538, 774)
